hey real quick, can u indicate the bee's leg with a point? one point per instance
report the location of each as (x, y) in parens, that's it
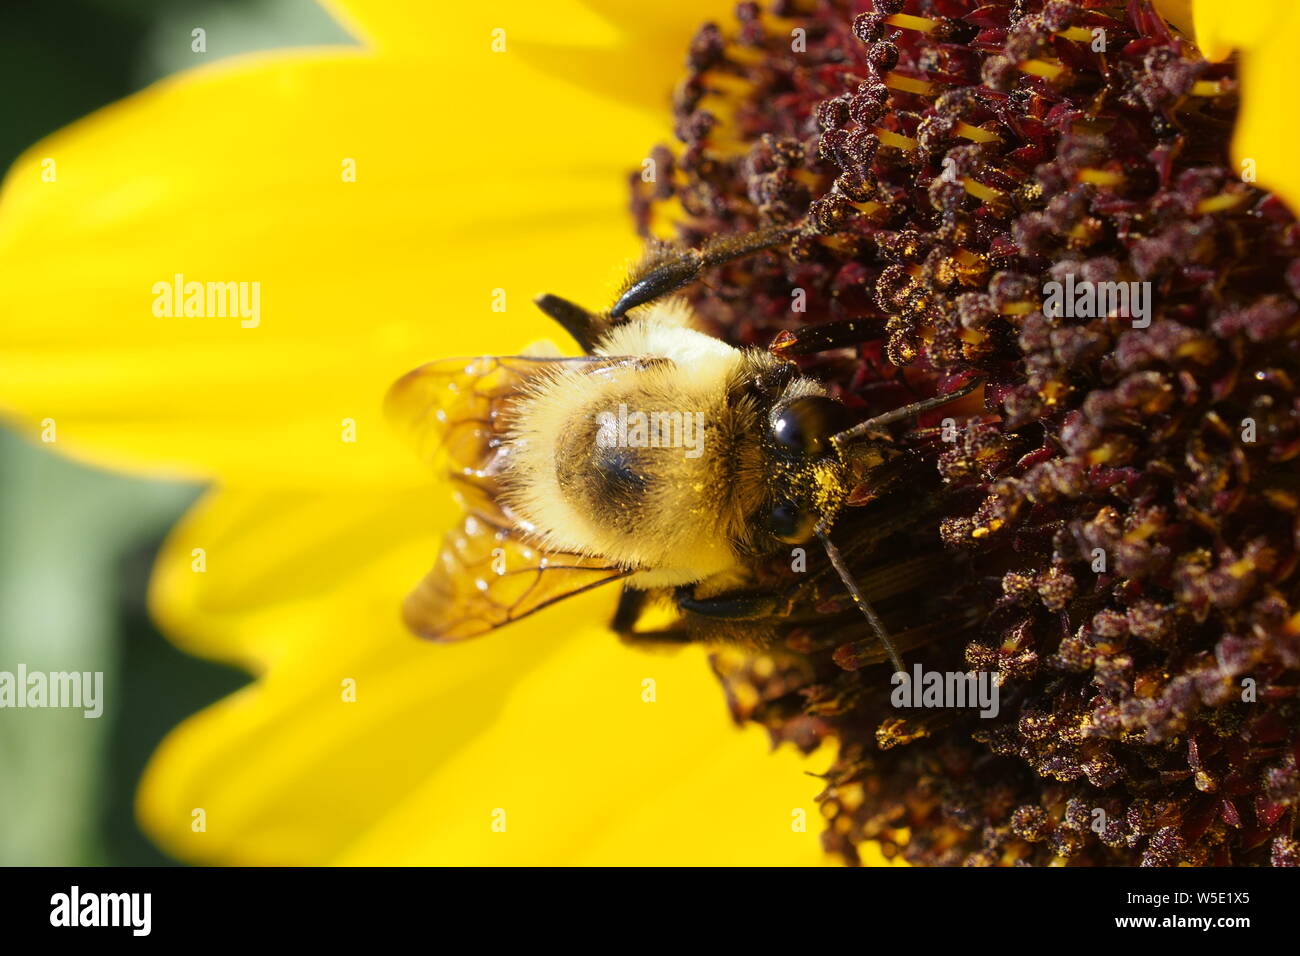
(585, 327)
(630, 605)
(667, 269)
(743, 607)
(740, 608)
(824, 337)
(898, 414)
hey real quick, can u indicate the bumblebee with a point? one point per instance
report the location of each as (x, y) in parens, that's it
(559, 498)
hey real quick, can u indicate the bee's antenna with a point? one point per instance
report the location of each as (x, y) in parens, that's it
(573, 318)
(667, 271)
(873, 619)
(840, 439)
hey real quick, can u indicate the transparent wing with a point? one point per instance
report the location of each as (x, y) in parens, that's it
(458, 410)
(488, 576)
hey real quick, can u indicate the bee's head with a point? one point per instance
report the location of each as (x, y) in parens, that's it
(805, 480)
(809, 482)
(808, 477)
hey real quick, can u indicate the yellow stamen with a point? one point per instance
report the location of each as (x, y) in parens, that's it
(980, 191)
(1100, 177)
(1207, 88)
(835, 243)
(745, 55)
(906, 21)
(1053, 392)
(1018, 308)
(975, 134)
(727, 82)
(897, 140)
(719, 104)
(1096, 126)
(1044, 68)
(722, 138)
(869, 207)
(1239, 569)
(723, 147)
(1143, 531)
(908, 84)
(775, 24)
(1081, 34)
(1220, 202)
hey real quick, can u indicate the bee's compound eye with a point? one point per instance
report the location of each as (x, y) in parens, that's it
(807, 424)
(789, 523)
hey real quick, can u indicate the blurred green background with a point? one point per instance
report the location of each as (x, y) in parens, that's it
(76, 545)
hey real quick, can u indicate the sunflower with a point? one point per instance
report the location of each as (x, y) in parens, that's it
(394, 202)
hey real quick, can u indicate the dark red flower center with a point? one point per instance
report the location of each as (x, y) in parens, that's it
(1041, 195)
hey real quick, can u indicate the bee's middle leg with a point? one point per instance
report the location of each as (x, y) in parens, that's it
(743, 607)
(631, 604)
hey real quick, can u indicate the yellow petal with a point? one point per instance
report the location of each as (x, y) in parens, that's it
(1221, 28)
(1177, 12)
(631, 51)
(652, 39)
(1265, 35)
(583, 767)
(236, 173)
(250, 577)
(419, 30)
